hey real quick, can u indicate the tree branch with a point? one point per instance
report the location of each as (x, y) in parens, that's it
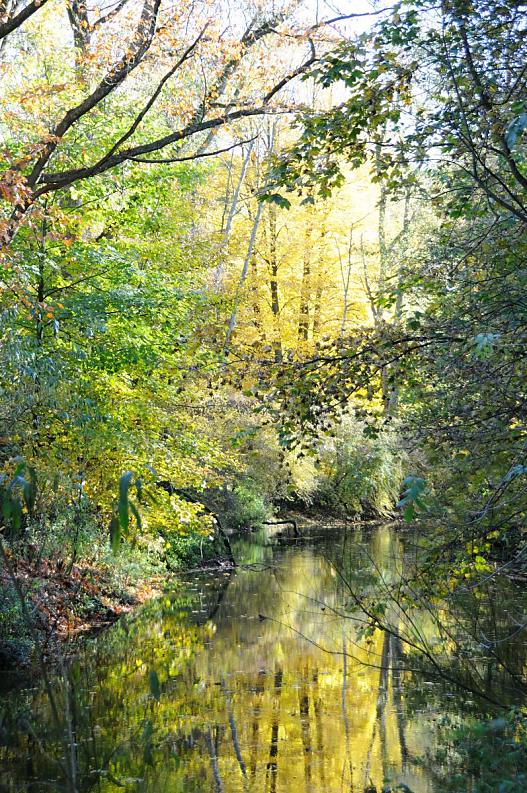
(139, 46)
(197, 155)
(106, 18)
(9, 25)
(190, 49)
(54, 181)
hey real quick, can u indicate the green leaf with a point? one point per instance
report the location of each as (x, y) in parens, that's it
(135, 513)
(516, 127)
(412, 497)
(16, 514)
(148, 732)
(19, 470)
(124, 487)
(29, 490)
(7, 507)
(409, 513)
(276, 198)
(115, 534)
(155, 688)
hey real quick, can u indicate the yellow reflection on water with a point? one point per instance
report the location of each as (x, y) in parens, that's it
(258, 682)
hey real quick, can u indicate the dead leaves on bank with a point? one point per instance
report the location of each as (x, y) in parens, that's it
(70, 600)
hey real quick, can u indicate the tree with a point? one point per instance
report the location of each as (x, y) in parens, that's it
(163, 48)
(434, 101)
(428, 86)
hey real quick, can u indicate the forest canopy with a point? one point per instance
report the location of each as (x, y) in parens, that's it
(259, 257)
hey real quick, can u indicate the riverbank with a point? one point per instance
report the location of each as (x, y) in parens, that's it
(68, 601)
(63, 603)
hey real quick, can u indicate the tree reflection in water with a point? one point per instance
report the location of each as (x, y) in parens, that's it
(215, 688)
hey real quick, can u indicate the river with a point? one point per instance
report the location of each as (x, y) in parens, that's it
(261, 679)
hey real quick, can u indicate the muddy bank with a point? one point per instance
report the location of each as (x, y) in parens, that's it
(62, 603)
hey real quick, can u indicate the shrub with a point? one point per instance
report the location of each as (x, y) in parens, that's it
(492, 753)
(359, 474)
(16, 643)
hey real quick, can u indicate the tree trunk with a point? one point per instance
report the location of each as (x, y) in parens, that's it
(272, 765)
(319, 288)
(305, 289)
(218, 275)
(257, 313)
(243, 276)
(345, 272)
(273, 285)
(305, 726)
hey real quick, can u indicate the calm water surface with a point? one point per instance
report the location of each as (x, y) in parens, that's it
(255, 680)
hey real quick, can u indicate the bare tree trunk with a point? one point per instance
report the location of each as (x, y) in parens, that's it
(401, 241)
(345, 273)
(226, 201)
(39, 331)
(255, 729)
(71, 756)
(303, 701)
(344, 704)
(218, 275)
(367, 284)
(382, 700)
(380, 710)
(317, 706)
(319, 290)
(381, 219)
(243, 276)
(273, 285)
(305, 289)
(396, 657)
(80, 26)
(234, 734)
(218, 782)
(257, 313)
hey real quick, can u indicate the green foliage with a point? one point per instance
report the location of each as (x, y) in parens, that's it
(120, 520)
(192, 550)
(101, 327)
(411, 80)
(429, 107)
(245, 506)
(359, 474)
(413, 496)
(17, 497)
(492, 752)
(16, 638)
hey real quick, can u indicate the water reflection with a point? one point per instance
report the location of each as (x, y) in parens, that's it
(256, 680)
